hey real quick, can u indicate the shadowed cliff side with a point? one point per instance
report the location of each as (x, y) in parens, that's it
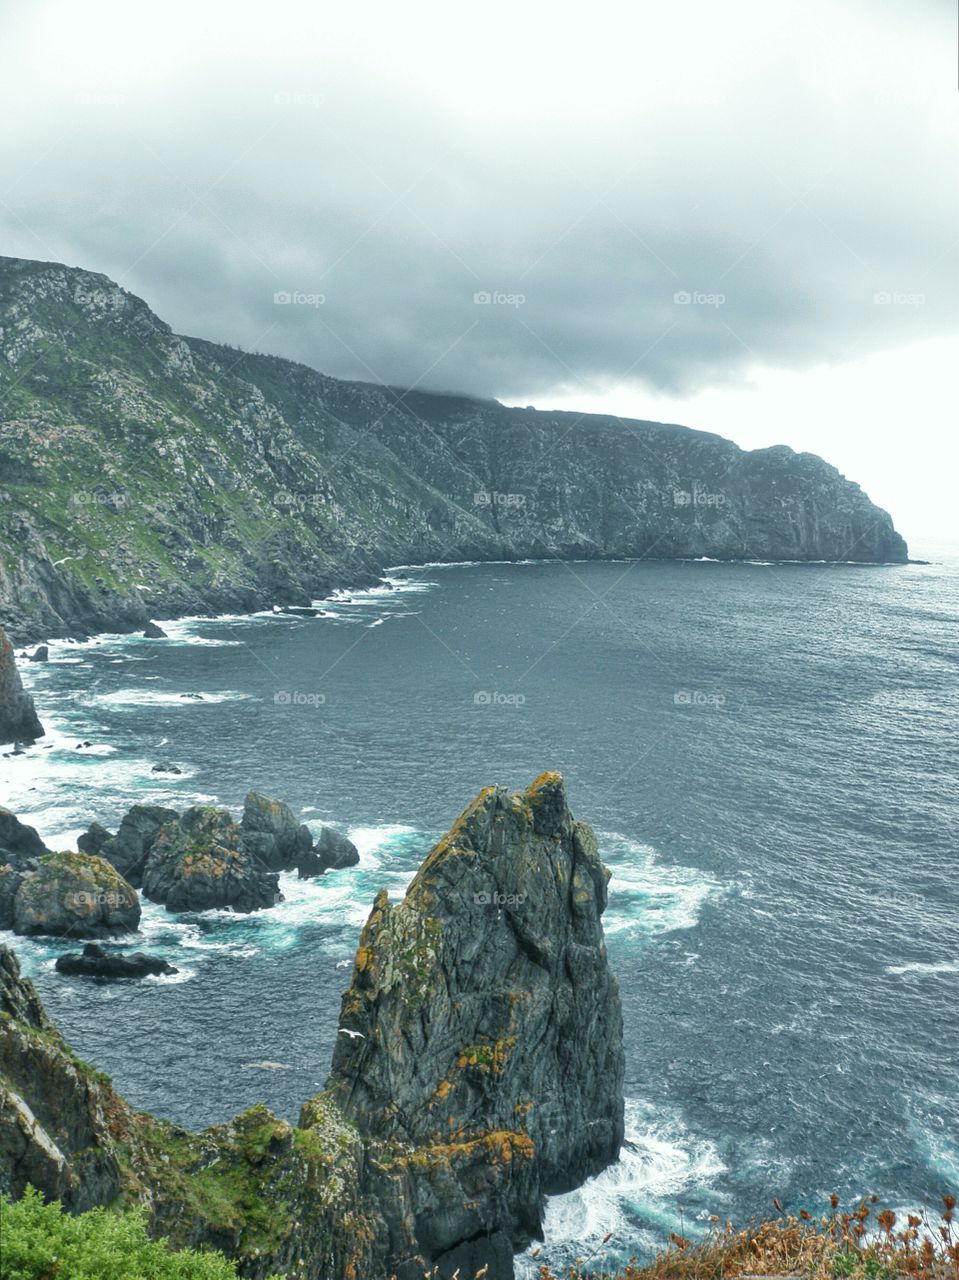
(479, 1067)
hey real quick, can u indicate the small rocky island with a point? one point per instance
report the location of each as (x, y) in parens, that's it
(195, 861)
(478, 1069)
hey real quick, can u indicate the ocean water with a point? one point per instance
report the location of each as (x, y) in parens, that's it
(769, 754)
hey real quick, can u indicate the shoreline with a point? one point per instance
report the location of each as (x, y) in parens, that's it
(372, 580)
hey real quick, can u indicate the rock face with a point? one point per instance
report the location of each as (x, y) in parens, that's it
(75, 895)
(484, 1070)
(18, 717)
(199, 862)
(336, 480)
(272, 834)
(129, 848)
(94, 962)
(331, 852)
(492, 973)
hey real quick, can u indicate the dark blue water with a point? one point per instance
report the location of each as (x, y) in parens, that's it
(769, 753)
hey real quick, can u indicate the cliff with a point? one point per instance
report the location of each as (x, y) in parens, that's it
(18, 716)
(146, 474)
(479, 1067)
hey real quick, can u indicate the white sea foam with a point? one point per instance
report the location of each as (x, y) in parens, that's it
(937, 967)
(635, 1198)
(159, 697)
(648, 896)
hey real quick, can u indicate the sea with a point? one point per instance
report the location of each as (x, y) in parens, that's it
(768, 752)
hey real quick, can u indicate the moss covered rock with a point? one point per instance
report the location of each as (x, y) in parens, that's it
(199, 862)
(76, 895)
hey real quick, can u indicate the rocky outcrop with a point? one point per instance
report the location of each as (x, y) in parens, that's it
(125, 436)
(492, 975)
(331, 852)
(94, 962)
(129, 848)
(199, 862)
(18, 716)
(272, 834)
(479, 1067)
(74, 895)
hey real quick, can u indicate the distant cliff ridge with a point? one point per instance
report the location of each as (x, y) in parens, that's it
(145, 474)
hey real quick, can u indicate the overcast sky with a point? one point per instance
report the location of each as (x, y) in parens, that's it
(743, 216)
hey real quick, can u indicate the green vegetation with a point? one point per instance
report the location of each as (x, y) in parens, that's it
(41, 1242)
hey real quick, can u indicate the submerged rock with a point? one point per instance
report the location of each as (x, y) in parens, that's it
(94, 962)
(74, 895)
(166, 766)
(199, 862)
(331, 852)
(19, 721)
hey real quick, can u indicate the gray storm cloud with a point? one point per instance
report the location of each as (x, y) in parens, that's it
(310, 196)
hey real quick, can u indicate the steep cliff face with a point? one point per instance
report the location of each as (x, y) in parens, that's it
(479, 1067)
(142, 474)
(18, 716)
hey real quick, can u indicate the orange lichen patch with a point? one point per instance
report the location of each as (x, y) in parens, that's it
(442, 1089)
(548, 779)
(363, 958)
(499, 1146)
(486, 1057)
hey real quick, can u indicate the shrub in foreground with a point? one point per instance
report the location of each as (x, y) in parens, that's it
(39, 1241)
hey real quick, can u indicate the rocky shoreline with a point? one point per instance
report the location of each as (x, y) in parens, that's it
(478, 1069)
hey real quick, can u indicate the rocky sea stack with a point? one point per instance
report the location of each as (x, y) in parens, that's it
(204, 480)
(478, 1068)
(19, 721)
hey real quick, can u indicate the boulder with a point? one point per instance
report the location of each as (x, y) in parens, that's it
(18, 716)
(94, 962)
(94, 839)
(152, 632)
(18, 842)
(128, 849)
(40, 654)
(10, 880)
(331, 852)
(272, 834)
(75, 895)
(200, 862)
